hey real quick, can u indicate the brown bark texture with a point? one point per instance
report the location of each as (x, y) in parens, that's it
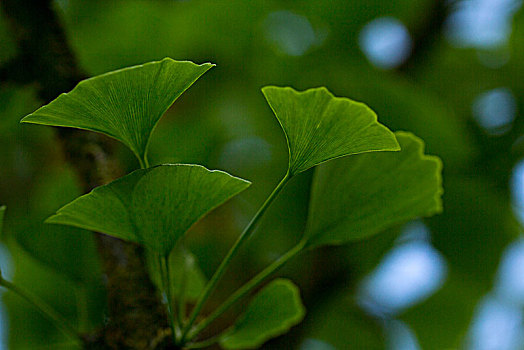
(136, 316)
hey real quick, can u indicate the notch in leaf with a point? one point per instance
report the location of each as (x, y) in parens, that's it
(356, 197)
(272, 312)
(319, 126)
(125, 104)
(154, 206)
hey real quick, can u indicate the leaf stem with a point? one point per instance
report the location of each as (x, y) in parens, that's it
(166, 284)
(247, 288)
(211, 285)
(203, 343)
(59, 321)
(182, 294)
(141, 163)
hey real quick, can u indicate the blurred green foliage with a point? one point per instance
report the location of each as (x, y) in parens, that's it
(224, 123)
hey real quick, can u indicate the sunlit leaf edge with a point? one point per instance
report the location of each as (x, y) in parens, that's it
(33, 118)
(395, 147)
(58, 217)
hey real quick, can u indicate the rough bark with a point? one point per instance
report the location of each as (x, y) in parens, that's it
(136, 316)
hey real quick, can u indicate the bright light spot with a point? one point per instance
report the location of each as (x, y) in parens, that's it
(517, 189)
(481, 23)
(6, 266)
(408, 274)
(291, 33)
(496, 326)
(399, 336)
(386, 42)
(510, 278)
(4, 328)
(314, 344)
(495, 110)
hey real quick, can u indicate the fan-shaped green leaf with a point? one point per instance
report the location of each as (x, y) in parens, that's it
(125, 104)
(320, 126)
(356, 197)
(2, 212)
(154, 206)
(272, 312)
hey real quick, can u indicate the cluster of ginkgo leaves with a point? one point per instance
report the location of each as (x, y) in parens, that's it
(387, 180)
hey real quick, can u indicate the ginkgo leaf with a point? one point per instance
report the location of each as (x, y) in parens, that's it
(356, 197)
(319, 126)
(154, 206)
(272, 312)
(125, 104)
(2, 212)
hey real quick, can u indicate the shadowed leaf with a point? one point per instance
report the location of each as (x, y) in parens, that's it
(184, 271)
(320, 126)
(357, 197)
(272, 312)
(154, 206)
(125, 104)
(68, 250)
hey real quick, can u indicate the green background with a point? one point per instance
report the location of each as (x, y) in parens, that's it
(223, 122)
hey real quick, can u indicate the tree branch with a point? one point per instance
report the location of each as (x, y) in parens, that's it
(137, 318)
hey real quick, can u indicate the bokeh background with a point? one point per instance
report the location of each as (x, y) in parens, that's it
(450, 71)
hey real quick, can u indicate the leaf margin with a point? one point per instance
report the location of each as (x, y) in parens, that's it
(324, 89)
(60, 218)
(282, 329)
(437, 199)
(30, 118)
